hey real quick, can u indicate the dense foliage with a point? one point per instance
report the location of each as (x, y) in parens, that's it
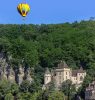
(41, 46)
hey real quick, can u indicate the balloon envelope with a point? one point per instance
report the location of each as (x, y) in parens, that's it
(23, 9)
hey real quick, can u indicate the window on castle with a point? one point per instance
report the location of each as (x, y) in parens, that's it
(66, 73)
(60, 82)
(59, 73)
(66, 77)
(81, 78)
(59, 79)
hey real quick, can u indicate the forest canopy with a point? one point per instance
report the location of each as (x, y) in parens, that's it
(47, 44)
(41, 46)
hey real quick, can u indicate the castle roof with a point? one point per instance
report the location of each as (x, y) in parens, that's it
(74, 72)
(62, 64)
(47, 71)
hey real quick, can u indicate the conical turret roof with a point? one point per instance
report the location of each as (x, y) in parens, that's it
(62, 64)
(47, 71)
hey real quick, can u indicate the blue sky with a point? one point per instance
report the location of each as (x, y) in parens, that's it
(47, 11)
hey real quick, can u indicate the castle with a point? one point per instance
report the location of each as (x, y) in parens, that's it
(62, 73)
(13, 75)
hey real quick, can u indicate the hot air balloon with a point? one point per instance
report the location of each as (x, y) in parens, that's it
(23, 9)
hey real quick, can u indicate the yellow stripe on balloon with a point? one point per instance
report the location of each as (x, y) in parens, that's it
(23, 9)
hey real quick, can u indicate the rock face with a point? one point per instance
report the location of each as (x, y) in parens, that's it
(13, 75)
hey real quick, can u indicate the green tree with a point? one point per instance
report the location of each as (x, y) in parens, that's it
(52, 86)
(34, 86)
(14, 88)
(7, 89)
(24, 96)
(68, 89)
(56, 95)
(24, 86)
(9, 96)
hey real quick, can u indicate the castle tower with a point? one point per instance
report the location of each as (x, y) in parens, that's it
(66, 73)
(62, 73)
(47, 76)
(80, 75)
(20, 75)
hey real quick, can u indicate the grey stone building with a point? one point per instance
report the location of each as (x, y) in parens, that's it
(90, 91)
